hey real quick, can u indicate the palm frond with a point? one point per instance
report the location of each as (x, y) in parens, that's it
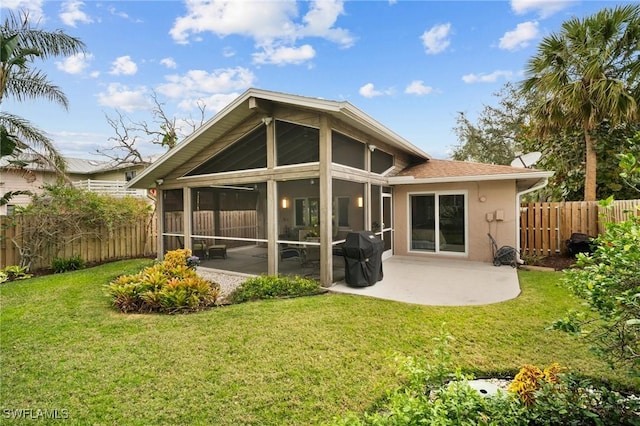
(30, 138)
(47, 43)
(33, 84)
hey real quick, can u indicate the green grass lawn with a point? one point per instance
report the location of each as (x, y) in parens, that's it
(293, 361)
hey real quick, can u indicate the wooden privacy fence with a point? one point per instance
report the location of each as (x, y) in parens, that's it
(134, 240)
(230, 224)
(544, 227)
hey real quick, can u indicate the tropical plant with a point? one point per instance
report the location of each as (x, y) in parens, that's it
(587, 74)
(21, 44)
(168, 287)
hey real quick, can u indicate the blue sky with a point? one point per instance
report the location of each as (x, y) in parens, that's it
(411, 65)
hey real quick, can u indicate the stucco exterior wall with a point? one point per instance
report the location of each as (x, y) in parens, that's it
(482, 198)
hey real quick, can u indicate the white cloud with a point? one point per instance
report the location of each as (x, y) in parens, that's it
(71, 13)
(123, 65)
(228, 52)
(122, 97)
(417, 87)
(369, 91)
(75, 64)
(320, 20)
(285, 55)
(115, 12)
(213, 103)
(169, 63)
(487, 78)
(545, 8)
(520, 37)
(94, 74)
(32, 7)
(196, 84)
(436, 39)
(273, 25)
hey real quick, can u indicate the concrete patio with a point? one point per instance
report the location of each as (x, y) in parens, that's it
(440, 282)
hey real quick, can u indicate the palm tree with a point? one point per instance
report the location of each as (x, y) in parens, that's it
(585, 75)
(20, 45)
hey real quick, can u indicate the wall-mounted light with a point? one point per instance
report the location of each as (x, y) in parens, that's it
(284, 203)
(360, 202)
(159, 182)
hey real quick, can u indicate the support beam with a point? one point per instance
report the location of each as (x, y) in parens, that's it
(326, 197)
(160, 223)
(272, 227)
(186, 216)
(261, 106)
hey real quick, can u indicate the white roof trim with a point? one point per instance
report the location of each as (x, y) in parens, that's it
(399, 180)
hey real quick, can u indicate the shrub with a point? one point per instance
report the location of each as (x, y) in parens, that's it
(14, 273)
(73, 263)
(269, 286)
(169, 286)
(609, 281)
(530, 379)
(436, 394)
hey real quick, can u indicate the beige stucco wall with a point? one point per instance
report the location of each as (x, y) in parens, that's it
(33, 181)
(498, 195)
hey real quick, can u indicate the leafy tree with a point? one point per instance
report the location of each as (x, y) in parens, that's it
(630, 165)
(21, 44)
(495, 137)
(564, 153)
(587, 73)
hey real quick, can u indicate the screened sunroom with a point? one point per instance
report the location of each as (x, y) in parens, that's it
(267, 202)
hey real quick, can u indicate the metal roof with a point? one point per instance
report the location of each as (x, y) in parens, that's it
(239, 110)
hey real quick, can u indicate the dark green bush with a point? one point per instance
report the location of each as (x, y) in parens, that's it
(270, 286)
(72, 263)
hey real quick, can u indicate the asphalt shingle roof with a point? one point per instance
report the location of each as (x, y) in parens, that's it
(449, 168)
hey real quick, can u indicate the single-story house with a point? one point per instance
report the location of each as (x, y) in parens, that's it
(106, 177)
(274, 182)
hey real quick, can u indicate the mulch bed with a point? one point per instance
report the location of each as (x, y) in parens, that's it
(557, 262)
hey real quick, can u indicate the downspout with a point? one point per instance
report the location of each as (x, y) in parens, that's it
(537, 186)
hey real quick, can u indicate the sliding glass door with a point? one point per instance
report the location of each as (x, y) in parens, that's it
(438, 223)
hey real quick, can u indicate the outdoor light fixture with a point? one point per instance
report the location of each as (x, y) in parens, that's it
(360, 202)
(159, 182)
(285, 203)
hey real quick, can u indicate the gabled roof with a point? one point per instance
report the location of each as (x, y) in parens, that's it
(443, 171)
(239, 110)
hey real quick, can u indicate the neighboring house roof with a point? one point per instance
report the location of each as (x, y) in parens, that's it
(443, 171)
(246, 105)
(79, 166)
